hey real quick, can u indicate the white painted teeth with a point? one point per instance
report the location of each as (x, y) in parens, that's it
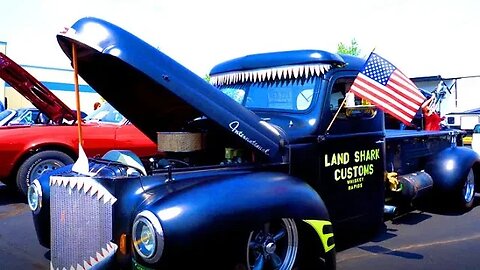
(107, 251)
(260, 75)
(87, 185)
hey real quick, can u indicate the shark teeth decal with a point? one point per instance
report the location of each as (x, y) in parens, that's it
(275, 73)
(106, 252)
(87, 185)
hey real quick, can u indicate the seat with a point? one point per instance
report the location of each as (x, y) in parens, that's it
(42, 119)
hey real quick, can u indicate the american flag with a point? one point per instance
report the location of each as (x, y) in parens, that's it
(382, 84)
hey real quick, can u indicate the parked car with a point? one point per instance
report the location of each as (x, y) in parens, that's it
(30, 116)
(27, 151)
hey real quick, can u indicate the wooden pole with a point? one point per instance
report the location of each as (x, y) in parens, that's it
(77, 94)
(336, 114)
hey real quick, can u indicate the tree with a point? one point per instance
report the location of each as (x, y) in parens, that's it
(351, 49)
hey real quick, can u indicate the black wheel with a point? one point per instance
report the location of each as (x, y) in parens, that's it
(285, 245)
(273, 247)
(38, 164)
(468, 191)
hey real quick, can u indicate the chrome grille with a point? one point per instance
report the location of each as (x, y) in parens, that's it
(81, 222)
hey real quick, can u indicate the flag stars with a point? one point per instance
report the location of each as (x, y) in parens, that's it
(378, 69)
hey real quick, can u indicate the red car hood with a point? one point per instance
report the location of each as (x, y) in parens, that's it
(34, 91)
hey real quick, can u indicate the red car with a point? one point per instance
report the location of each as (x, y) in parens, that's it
(27, 151)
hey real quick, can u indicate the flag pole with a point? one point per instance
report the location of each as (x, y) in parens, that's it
(338, 111)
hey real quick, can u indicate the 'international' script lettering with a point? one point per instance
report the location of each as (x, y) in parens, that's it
(234, 127)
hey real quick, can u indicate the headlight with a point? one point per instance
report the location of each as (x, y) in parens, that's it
(147, 236)
(34, 196)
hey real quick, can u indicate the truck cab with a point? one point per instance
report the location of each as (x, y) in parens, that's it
(301, 92)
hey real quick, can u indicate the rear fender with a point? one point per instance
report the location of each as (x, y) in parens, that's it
(449, 168)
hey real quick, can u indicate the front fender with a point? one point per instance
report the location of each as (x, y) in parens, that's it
(231, 206)
(449, 168)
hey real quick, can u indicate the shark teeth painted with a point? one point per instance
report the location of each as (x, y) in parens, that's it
(107, 251)
(86, 185)
(276, 73)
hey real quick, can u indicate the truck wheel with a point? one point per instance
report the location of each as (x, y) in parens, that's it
(468, 191)
(282, 245)
(38, 164)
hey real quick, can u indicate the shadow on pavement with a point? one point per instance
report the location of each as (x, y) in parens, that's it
(386, 251)
(10, 196)
(411, 218)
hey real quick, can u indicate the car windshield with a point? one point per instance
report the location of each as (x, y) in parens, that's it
(25, 117)
(289, 95)
(4, 114)
(106, 113)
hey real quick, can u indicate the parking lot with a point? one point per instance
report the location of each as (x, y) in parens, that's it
(418, 240)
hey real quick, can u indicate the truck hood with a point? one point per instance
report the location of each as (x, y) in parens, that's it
(155, 92)
(34, 91)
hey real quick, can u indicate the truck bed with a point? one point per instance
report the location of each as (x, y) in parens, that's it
(393, 134)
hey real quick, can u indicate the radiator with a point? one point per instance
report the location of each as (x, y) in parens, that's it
(81, 223)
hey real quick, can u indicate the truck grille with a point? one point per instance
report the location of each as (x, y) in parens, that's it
(81, 223)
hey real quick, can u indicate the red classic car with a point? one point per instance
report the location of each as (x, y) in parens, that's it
(27, 151)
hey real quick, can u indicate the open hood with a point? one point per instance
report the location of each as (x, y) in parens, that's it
(156, 93)
(34, 91)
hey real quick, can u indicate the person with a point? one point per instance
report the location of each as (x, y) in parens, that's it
(97, 105)
(431, 117)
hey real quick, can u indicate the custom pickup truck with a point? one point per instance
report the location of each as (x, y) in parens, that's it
(249, 177)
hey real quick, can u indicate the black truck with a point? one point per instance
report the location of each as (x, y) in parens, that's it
(248, 175)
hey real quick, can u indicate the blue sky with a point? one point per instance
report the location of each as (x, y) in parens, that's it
(422, 38)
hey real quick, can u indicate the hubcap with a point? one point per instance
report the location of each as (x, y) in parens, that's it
(469, 187)
(45, 166)
(273, 247)
(270, 248)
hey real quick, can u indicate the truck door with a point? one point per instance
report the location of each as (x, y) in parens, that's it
(351, 159)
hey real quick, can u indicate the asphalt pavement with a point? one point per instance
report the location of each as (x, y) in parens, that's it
(420, 240)
(19, 248)
(417, 240)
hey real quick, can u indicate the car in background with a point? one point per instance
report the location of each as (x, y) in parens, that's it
(29, 150)
(31, 116)
(475, 142)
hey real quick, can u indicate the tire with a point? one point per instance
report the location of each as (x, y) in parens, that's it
(37, 164)
(468, 191)
(285, 245)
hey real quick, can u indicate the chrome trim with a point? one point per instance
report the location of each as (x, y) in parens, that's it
(38, 189)
(159, 236)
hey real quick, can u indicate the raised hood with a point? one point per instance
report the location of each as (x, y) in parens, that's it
(34, 91)
(155, 92)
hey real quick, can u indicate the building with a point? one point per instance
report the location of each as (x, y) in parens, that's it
(460, 95)
(59, 81)
(459, 105)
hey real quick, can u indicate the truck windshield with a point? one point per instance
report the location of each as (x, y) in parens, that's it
(289, 95)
